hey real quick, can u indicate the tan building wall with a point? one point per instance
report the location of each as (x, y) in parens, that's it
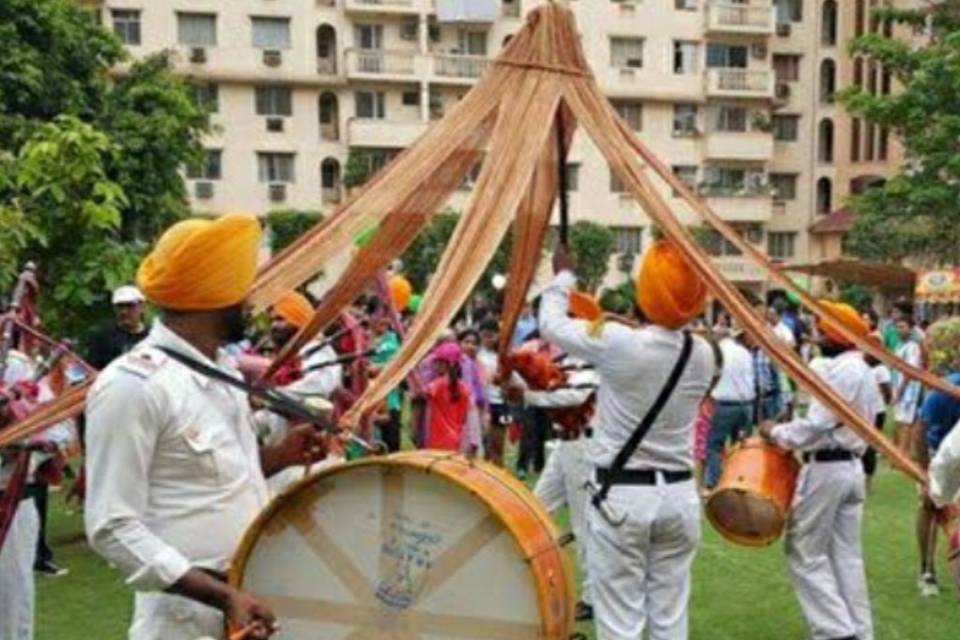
(342, 51)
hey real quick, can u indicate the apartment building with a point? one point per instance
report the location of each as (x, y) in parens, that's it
(732, 94)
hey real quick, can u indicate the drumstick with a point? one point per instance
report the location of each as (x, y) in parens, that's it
(241, 634)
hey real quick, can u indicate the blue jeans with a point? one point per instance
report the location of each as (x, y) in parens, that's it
(731, 422)
(770, 407)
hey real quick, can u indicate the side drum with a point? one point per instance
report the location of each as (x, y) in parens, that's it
(751, 503)
(420, 544)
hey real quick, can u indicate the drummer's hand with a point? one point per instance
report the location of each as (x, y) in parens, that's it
(765, 429)
(303, 444)
(562, 261)
(244, 611)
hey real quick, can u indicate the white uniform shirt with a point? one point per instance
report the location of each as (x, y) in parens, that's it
(850, 376)
(737, 378)
(945, 470)
(490, 362)
(319, 382)
(782, 331)
(173, 466)
(632, 365)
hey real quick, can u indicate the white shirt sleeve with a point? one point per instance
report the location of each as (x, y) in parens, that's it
(123, 424)
(800, 433)
(573, 336)
(945, 470)
(323, 381)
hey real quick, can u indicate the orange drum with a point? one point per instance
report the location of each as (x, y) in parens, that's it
(752, 500)
(421, 544)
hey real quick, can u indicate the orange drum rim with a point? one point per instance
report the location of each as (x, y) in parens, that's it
(547, 556)
(746, 541)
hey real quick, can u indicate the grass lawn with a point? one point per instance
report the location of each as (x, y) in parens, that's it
(739, 594)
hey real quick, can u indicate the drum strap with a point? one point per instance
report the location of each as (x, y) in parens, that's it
(624, 455)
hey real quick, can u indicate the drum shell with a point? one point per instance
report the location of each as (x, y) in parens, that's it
(751, 502)
(505, 497)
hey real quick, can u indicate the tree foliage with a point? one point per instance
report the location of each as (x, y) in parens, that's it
(591, 245)
(917, 211)
(89, 164)
(287, 225)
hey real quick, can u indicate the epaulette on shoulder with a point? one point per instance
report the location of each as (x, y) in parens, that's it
(142, 362)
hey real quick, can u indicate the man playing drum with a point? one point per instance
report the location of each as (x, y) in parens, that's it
(175, 474)
(644, 527)
(823, 549)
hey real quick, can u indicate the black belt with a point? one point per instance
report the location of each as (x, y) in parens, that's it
(830, 455)
(733, 403)
(646, 477)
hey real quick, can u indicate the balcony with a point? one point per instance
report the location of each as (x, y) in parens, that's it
(753, 146)
(747, 202)
(727, 17)
(740, 83)
(739, 269)
(368, 7)
(380, 64)
(384, 133)
(454, 67)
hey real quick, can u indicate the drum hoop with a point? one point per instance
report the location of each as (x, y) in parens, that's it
(417, 460)
(743, 541)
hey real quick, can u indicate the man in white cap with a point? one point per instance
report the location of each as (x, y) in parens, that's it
(126, 331)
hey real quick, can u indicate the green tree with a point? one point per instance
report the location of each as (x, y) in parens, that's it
(592, 245)
(356, 170)
(917, 211)
(287, 225)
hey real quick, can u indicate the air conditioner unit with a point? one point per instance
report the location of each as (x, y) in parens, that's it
(278, 192)
(203, 190)
(272, 57)
(275, 124)
(784, 29)
(409, 31)
(759, 50)
(783, 90)
(198, 55)
(433, 32)
(634, 63)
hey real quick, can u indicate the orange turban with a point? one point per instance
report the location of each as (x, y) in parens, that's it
(668, 290)
(201, 264)
(294, 308)
(845, 315)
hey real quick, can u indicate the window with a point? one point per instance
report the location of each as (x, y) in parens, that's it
(884, 143)
(685, 5)
(828, 36)
(726, 56)
(687, 173)
(626, 53)
(616, 186)
(870, 138)
(370, 104)
(126, 24)
(275, 167)
(789, 11)
(855, 140)
(330, 174)
(684, 119)
(208, 168)
(786, 67)
(411, 98)
(730, 181)
(716, 245)
(369, 36)
(271, 33)
(784, 185)
(206, 95)
(858, 72)
(732, 119)
(780, 245)
(786, 128)
(273, 101)
(472, 42)
(197, 29)
(629, 240)
(685, 57)
(828, 81)
(824, 195)
(860, 19)
(573, 176)
(825, 142)
(632, 114)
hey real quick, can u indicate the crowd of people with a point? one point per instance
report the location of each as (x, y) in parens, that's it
(630, 432)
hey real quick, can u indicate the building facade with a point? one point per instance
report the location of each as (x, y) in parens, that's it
(737, 96)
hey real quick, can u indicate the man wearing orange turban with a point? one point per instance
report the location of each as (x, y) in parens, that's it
(650, 520)
(823, 534)
(175, 474)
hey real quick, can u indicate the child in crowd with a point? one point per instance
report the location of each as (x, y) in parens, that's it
(453, 421)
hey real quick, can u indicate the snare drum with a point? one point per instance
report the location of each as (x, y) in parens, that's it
(751, 503)
(419, 544)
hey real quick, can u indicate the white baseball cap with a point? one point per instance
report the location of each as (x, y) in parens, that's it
(127, 294)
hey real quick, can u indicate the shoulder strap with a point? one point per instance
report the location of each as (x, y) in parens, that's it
(623, 456)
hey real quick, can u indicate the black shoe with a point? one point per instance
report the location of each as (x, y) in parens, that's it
(50, 569)
(583, 612)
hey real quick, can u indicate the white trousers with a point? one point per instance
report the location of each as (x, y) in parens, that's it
(16, 574)
(641, 569)
(563, 482)
(161, 616)
(824, 554)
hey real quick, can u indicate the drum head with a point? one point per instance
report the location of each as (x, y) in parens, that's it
(388, 550)
(744, 517)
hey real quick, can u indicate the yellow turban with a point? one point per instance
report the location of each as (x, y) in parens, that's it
(668, 290)
(294, 308)
(202, 264)
(845, 315)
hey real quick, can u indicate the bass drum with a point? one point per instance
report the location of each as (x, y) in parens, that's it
(752, 500)
(416, 545)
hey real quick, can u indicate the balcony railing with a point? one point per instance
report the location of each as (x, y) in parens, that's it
(380, 3)
(471, 67)
(327, 66)
(380, 62)
(743, 18)
(751, 189)
(740, 82)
